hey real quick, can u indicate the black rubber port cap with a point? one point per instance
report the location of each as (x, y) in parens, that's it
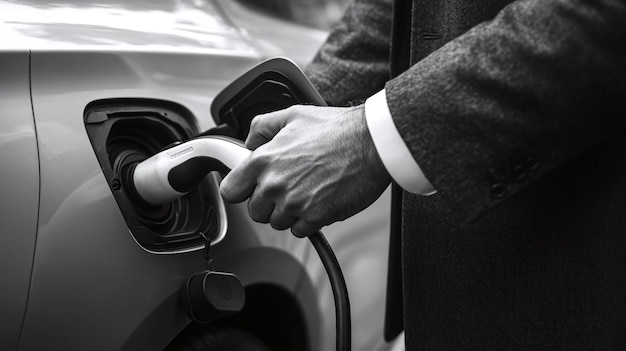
(207, 296)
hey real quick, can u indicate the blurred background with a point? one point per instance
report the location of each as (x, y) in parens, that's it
(321, 14)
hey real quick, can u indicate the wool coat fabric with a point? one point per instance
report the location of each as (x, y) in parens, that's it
(516, 113)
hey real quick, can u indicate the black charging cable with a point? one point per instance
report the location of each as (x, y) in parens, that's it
(338, 286)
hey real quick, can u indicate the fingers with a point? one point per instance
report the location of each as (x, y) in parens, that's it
(260, 208)
(268, 178)
(302, 228)
(264, 127)
(239, 184)
(280, 220)
(263, 210)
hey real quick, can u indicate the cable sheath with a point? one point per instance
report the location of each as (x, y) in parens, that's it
(338, 286)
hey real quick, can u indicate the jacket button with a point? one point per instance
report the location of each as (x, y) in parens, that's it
(498, 190)
(532, 163)
(520, 172)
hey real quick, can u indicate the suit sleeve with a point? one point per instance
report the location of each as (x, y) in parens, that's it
(513, 98)
(353, 63)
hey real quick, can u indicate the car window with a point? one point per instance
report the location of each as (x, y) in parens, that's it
(322, 14)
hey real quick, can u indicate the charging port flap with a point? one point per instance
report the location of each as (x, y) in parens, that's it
(124, 132)
(271, 85)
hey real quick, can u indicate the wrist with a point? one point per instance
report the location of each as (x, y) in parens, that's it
(391, 148)
(369, 154)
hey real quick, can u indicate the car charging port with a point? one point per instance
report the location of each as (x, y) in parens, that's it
(124, 133)
(131, 141)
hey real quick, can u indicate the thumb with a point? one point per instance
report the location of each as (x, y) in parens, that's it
(264, 127)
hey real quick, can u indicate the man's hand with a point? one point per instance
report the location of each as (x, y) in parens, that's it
(312, 166)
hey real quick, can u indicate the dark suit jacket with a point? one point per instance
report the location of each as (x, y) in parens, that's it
(516, 113)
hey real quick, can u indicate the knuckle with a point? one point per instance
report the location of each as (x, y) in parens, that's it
(292, 112)
(292, 207)
(259, 159)
(295, 202)
(292, 109)
(274, 184)
(256, 121)
(298, 110)
(315, 218)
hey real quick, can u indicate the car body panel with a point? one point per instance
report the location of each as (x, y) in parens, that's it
(92, 286)
(89, 269)
(120, 25)
(19, 193)
(273, 36)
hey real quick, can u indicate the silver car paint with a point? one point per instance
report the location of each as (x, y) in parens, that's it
(273, 36)
(92, 286)
(19, 193)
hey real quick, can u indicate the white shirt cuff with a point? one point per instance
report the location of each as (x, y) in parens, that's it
(391, 147)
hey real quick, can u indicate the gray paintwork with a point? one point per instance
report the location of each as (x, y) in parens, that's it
(73, 277)
(19, 193)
